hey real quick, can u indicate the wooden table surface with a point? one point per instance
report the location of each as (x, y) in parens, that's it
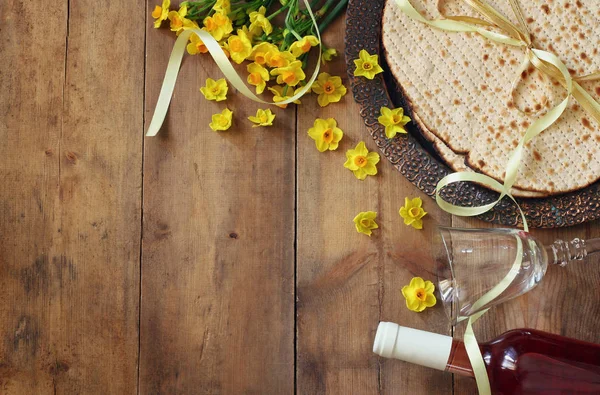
(198, 262)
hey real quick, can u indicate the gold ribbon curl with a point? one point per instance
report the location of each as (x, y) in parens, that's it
(548, 64)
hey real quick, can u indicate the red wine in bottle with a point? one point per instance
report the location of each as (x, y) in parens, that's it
(519, 362)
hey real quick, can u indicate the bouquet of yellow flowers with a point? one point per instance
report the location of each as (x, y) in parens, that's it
(246, 31)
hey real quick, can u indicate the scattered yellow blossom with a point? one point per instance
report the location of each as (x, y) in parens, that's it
(240, 46)
(262, 118)
(329, 89)
(258, 76)
(276, 58)
(223, 6)
(326, 134)
(291, 74)
(260, 51)
(327, 54)
(215, 90)
(361, 162)
(303, 45)
(367, 65)
(393, 120)
(365, 222)
(178, 20)
(412, 212)
(160, 13)
(196, 45)
(278, 95)
(222, 120)
(259, 22)
(419, 294)
(218, 25)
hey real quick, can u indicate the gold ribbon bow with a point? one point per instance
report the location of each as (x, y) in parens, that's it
(548, 64)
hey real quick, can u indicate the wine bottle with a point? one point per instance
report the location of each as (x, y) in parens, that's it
(520, 361)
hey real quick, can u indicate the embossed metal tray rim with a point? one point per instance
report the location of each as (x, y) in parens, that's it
(409, 156)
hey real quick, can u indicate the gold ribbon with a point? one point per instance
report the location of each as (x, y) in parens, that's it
(215, 50)
(548, 64)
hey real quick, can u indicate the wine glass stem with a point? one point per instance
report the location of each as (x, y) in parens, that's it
(562, 252)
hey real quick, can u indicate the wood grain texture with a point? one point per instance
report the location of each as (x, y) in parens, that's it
(218, 245)
(348, 282)
(70, 200)
(222, 214)
(566, 302)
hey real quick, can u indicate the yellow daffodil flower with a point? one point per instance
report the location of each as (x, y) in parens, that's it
(218, 25)
(303, 45)
(262, 118)
(222, 6)
(259, 22)
(222, 120)
(215, 90)
(419, 294)
(326, 134)
(329, 89)
(365, 222)
(240, 46)
(160, 13)
(361, 162)
(327, 54)
(393, 120)
(196, 46)
(260, 51)
(412, 212)
(276, 58)
(278, 95)
(367, 65)
(179, 22)
(291, 74)
(258, 76)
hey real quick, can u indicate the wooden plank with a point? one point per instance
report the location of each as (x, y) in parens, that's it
(565, 302)
(348, 282)
(70, 201)
(218, 245)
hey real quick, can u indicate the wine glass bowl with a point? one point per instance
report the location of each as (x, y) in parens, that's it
(479, 268)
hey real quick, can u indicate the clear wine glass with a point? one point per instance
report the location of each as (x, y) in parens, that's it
(470, 263)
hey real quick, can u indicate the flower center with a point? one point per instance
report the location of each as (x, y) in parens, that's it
(288, 77)
(223, 121)
(236, 45)
(360, 161)
(177, 22)
(365, 222)
(328, 136)
(210, 24)
(215, 89)
(414, 212)
(328, 87)
(260, 58)
(255, 78)
(421, 294)
(157, 12)
(367, 66)
(263, 118)
(305, 47)
(396, 118)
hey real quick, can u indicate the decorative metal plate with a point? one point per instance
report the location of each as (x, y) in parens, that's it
(416, 159)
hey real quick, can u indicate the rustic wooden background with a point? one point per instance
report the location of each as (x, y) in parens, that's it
(198, 262)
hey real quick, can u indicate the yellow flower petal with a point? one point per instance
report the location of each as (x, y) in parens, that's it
(221, 121)
(430, 300)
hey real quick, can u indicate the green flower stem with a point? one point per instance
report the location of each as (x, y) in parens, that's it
(279, 11)
(332, 15)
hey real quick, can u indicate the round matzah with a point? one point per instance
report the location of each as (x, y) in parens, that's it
(458, 85)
